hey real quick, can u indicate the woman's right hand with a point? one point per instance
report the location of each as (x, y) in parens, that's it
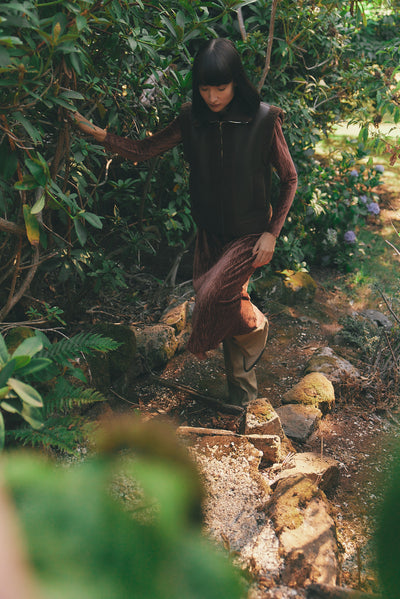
(88, 127)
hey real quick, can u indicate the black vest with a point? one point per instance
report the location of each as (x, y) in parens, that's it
(230, 170)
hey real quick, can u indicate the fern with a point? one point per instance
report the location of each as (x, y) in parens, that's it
(64, 434)
(65, 396)
(69, 348)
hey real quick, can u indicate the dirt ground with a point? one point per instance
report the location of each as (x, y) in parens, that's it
(358, 432)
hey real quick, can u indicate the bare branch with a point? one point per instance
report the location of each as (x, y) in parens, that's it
(6, 225)
(269, 46)
(242, 26)
(15, 297)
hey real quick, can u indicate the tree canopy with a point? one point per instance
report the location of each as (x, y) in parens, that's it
(66, 205)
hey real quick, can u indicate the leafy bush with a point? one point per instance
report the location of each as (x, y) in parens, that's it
(42, 381)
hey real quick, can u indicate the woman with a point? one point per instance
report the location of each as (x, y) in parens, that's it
(232, 142)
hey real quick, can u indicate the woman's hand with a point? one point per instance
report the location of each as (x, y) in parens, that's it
(264, 249)
(88, 127)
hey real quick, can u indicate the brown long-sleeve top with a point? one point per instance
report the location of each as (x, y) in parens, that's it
(278, 157)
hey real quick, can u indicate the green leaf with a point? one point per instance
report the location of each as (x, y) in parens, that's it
(28, 183)
(38, 170)
(10, 41)
(32, 416)
(22, 361)
(38, 205)
(71, 94)
(12, 404)
(81, 22)
(6, 372)
(32, 226)
(2, 432)
(27, 393)
(29, 347)
(4, 391)
(5, 59)
(4, 355)
(93, 219)
(27, 125)
(35, 365)
(80, 231)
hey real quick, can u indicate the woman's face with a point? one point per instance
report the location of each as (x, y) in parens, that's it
(217, 97)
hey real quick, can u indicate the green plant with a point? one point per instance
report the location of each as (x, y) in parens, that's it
(51, 383)
(16, 395)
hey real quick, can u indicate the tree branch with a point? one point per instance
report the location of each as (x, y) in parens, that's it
(15, 297)
(242, 26)
(6, 225)
(269, 46)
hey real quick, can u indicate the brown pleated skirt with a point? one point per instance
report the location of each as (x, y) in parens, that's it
(221, 272)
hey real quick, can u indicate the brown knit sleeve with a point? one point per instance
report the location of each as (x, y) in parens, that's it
(144, 149)
(282, 161)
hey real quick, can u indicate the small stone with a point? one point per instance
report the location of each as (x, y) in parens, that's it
(270, 445)
(298, 421)
(262, 419)
(334, 367)
(176, 316)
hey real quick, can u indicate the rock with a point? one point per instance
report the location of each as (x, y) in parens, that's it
(269, 287)
(306, 532)
(315, 389)
(236, 493)
(299, 288)
(262, 419)
(334, 367)
(117, 368)
(156, 344)
(378, 318)
(324, 472)
(299, 421)
(270, 445)
(176, 316)
(287, 287)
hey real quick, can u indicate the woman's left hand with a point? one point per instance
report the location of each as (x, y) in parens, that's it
(264, 249)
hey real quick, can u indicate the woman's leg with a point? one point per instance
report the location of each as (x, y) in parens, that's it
(241, 354)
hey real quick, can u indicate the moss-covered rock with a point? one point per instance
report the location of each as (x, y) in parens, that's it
(315, 389)
(299, 288)
(156, 345)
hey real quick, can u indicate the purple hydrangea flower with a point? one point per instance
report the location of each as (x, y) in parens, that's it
(354, 173)
(373, 208)
(364, 199)
(350, 237)
(380, 168)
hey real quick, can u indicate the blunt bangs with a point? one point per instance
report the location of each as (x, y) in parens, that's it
(213, 70)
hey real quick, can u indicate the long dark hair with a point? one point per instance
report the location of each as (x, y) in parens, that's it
(217, 63)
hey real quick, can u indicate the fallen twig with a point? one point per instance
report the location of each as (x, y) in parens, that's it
(217, 403)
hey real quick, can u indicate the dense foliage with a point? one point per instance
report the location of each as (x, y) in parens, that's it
(68, 207)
